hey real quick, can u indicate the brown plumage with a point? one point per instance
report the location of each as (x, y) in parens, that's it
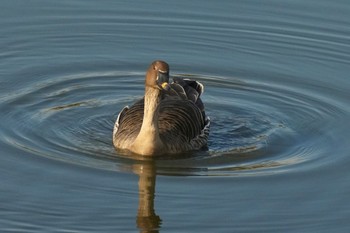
(169, 119)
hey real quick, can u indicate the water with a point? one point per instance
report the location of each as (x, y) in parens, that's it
(276, 88)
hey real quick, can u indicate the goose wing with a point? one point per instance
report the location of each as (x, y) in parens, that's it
(193, 124)
(128, 124)
(191, 89)
(182, 126)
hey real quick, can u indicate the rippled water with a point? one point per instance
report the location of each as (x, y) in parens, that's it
(276, 89)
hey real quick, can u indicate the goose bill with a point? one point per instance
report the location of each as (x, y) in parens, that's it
(162, 77)
(165, 86)
(163, 80)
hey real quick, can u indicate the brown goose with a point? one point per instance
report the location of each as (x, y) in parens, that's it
(169, 119)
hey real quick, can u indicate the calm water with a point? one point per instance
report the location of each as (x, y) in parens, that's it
(277, 91)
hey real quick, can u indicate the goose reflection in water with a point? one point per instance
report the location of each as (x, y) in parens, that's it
(147, 220)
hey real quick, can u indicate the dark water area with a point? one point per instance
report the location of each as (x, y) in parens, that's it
(276, 88)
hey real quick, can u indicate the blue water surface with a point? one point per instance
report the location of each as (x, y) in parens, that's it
(276, 88)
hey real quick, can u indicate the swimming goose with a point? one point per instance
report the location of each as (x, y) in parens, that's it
(169, 119)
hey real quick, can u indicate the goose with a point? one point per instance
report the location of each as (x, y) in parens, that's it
(169, 119)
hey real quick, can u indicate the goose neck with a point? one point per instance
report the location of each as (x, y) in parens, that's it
(151, 110)
(148, 141)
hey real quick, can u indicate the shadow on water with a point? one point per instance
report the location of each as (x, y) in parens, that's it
(147, 220)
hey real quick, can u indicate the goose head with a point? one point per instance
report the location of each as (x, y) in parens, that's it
(157, 75)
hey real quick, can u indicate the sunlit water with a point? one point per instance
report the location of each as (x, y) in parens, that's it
(276, 89)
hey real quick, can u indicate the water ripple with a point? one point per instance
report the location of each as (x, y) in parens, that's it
(257, 127)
